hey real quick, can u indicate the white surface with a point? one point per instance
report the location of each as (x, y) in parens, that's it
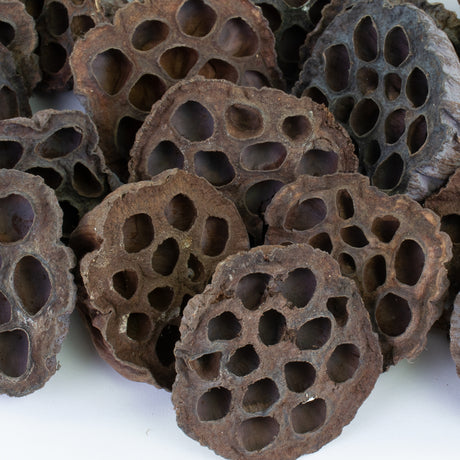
(87, 410)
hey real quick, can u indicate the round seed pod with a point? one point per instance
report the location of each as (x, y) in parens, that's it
(37, 293)
(275, 357)
(14, 101)
(455, 333)
(61, 147)
(153, 245)
(122, 69)
(394, 84)
(59, 25)
(244, 141)
(446, 205)
(390, 246)
(17, 33)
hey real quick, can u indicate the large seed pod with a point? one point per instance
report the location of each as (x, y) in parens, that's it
(122, 69)
(244, 141)
(154, 245)
(394, 84)
(455, 333)
(14, 101)
(37, 293)
(390, 246)
(17, 33)
(275, 357)
(61, 147)
(446, 204)
(59, 25)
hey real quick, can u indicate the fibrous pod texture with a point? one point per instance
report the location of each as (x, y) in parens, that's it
(14, 101)
(446, 204)
(390, 246)
(275, 357)
(17, 33)
(37, 293)
(61, 147)
(393, 83)
(455, 333)
(154, 245)
(246, 142)
(122, 69)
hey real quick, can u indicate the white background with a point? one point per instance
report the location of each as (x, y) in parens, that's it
(87, 410)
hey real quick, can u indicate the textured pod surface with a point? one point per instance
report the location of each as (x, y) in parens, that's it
(446, 204)
(244, 141)
(154, 245)
(37, 293)
(455, 333)
(14, 101)
(390, 246)
(17, 33)
(59, 25)
(122, 69)
(394, 84)
(61, 147)
(276, 356)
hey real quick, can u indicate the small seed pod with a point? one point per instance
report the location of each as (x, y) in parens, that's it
(390, 246)
(394, 84)
(275, 357)
(37, 293)
(122, 69)
(61, 147)
(246, 142)
(152, 246)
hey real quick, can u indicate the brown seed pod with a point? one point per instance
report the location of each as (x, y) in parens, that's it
(390, 246)
(14, 101)
(37, 293)
(446, 204)
(455, 333)
(61, 147)
(246, 142)
(17, 33)
(154, 245)
(275, 357)
(394, 84)
(122, 69)
(59, 25)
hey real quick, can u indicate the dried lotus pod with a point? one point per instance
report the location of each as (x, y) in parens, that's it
(17, 33)
(389, 245)
(37, 293)
(122, 69)
(274, 358)
(246, 142)
(154, 245)
(446, 204)
(61, 147)
(394, 84)
(455, 333)
(60, 24)
(14, 101)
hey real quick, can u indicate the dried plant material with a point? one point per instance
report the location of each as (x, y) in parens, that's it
(446, 204)
(122, 69)
(60, 25)
(394, 84)
(390, 246)
(61, 147)
(17, 33)
(246, 142)
(455, 333)
(37, 293)
(274, 358)
(14, 101)
(153, 245)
